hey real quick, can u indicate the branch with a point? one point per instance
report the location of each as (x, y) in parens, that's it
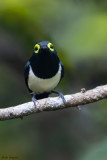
(50, 104)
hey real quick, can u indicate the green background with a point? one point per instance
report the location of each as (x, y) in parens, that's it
(78, 30)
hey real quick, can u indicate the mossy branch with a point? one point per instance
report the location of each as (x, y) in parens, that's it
(51, 104)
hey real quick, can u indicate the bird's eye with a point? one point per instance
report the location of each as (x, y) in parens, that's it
(50, 46)
(36, 48)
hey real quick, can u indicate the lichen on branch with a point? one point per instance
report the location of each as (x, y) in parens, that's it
(56, 103)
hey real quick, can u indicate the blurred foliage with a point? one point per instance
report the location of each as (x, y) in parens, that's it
(78, 29)
(99, 151)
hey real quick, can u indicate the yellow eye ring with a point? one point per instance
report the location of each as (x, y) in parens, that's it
(50, 46)
(36, 48)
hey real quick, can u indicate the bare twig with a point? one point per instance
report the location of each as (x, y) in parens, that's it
(50, 104)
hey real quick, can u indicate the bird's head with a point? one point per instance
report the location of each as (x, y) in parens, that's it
(44, 48)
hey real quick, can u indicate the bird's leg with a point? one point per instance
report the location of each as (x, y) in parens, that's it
(60, 95)
(34, 100)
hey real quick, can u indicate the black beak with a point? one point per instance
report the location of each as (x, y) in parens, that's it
(44, 49)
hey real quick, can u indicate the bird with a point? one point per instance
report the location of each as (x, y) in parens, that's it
(43, 71)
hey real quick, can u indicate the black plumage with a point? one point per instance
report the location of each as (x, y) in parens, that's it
(43, 71)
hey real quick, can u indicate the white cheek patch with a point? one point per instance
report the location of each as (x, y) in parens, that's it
(40, 85)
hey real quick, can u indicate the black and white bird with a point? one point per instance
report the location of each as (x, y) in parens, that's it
(43, 71)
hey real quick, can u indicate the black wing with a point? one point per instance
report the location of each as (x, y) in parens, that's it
(26, 73)
(62, 71)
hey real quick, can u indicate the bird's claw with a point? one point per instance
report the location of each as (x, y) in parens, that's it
(62, 97)
(34, 101)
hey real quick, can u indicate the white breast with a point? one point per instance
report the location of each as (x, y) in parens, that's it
(40, 85)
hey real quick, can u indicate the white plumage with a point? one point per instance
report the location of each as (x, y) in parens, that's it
(39, 85)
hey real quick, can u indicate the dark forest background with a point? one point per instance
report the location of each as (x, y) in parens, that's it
(78, 30)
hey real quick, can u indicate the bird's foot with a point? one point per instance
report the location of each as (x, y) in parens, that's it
(34, 100)
(60, 95)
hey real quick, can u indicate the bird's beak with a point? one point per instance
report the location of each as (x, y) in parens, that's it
(44, 49)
